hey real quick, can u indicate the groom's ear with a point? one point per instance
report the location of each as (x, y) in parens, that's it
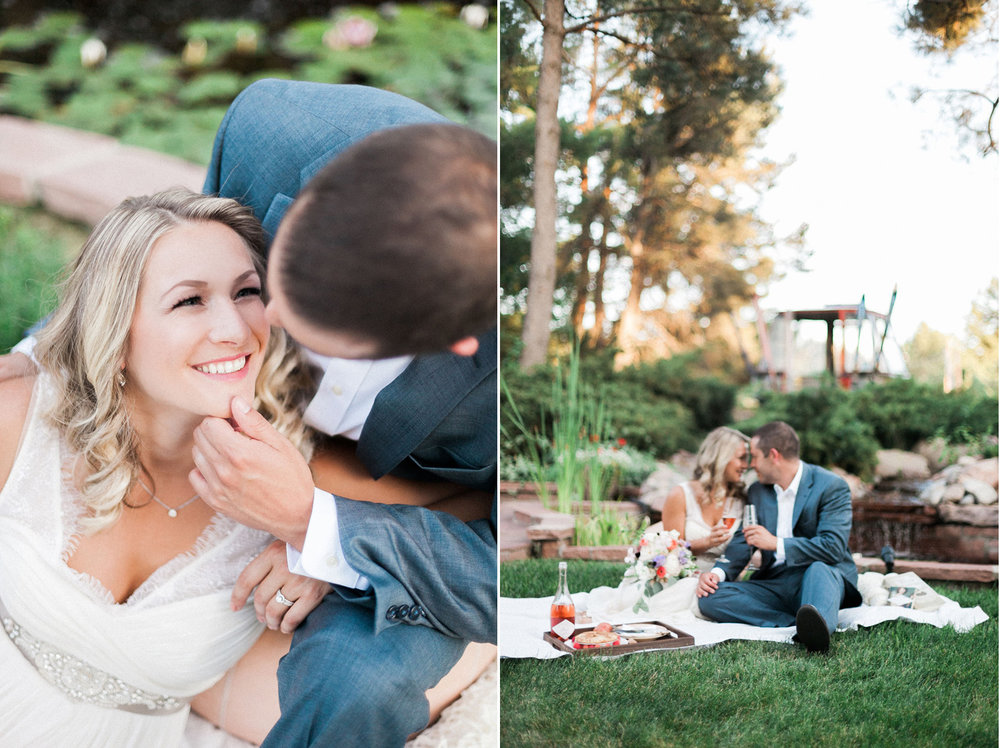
(465, 347)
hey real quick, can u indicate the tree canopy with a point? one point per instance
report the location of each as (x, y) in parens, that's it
(655, 175)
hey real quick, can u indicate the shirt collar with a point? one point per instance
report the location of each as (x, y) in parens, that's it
(793, 487)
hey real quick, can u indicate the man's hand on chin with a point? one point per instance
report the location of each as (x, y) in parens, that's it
(250, 472)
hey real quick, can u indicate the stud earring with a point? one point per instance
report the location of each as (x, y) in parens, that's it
(121, 378)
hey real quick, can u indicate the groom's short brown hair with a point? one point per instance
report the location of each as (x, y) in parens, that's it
(395, 240)
(780, 436)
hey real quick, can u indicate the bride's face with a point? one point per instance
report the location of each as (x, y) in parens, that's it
(737, 464)
(198, 334)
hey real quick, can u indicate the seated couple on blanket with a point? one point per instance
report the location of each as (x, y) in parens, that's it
(805, 574)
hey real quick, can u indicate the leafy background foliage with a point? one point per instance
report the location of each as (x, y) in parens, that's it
(171, 96)
(672, 404)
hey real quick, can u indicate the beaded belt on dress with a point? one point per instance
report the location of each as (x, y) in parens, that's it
(84, 682)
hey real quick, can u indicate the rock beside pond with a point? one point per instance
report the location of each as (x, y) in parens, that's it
(859, 489)
(967, 485)
(653, 491)
(897, 464)
(983, 492)
(983, 470)
(940, 454)
(978, 516)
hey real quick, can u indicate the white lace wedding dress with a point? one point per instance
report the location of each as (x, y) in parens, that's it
(674, 602)
(79, 669)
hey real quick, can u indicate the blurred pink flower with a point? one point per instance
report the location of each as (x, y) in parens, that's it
(350, 32)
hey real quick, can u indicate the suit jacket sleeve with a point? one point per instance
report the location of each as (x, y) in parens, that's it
(830, 515)
(443, 570)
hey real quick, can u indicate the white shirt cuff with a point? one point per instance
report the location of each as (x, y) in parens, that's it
(719, 574)
(322, 555)
(26, 346)
(779, 553)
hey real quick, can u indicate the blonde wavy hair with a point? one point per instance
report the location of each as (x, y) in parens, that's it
(84, 342)
(718, 448)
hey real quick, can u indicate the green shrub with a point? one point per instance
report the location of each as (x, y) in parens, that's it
(709, 399)
(847, 428)
(902, 412)
(35, 249)
(829, 428)
(647, 421)
(159, 98)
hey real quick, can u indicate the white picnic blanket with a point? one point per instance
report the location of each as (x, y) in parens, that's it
(523, 621)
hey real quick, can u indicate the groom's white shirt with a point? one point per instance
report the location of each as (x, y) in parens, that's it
(340, 407)
(783, 529)
(786, 508)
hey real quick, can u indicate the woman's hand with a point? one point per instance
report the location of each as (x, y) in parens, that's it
(708, 583)
(269, 573)
(718, 535)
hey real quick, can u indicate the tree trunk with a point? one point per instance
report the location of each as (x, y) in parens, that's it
(631, 317)
(598, 339)
(542, 275)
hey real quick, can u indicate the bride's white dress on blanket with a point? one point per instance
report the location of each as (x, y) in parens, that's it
(79, 669)
(677, 599)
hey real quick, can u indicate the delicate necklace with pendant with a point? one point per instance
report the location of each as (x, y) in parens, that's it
(171, 511)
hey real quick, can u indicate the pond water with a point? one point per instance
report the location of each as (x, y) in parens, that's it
(893, 515)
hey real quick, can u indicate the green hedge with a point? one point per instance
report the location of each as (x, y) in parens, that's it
(657, 408)
(846, 429)
(666, 406)
(903, 412)
(829, 429)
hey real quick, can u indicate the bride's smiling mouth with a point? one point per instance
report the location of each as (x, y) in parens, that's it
(235, 365)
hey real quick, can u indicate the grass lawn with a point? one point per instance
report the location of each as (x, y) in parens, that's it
(34, 248)
(898, 683)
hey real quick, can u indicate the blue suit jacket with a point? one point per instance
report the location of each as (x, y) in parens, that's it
(821, 525)
(437, 420)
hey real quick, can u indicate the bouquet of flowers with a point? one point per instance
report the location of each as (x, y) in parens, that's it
(661, 560)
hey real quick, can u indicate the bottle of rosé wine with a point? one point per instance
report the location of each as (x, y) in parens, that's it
(562, 615)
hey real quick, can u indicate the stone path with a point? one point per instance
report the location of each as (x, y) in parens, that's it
(80, 175)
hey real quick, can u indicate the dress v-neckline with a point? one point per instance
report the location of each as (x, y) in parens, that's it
(218, 527)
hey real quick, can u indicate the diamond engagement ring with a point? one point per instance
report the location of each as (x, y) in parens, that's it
(279, 597)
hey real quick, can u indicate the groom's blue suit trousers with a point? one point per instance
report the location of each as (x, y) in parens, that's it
(341, 685)
(773, 602)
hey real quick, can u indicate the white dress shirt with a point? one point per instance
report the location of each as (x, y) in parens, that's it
(343, 400)
(783, 528)
(786, 506)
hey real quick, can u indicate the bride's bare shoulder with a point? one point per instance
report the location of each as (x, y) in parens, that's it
(15, 398)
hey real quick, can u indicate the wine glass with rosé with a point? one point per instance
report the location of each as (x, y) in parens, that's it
(730, 513)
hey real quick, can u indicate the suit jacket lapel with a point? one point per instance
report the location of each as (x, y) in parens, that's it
(767, 511)
(410, 407)
(803, 495)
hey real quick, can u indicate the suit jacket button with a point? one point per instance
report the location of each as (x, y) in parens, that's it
(390, 614)
(415, 612)
(403, 612)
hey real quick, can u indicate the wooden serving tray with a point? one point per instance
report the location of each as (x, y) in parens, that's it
(673, 639)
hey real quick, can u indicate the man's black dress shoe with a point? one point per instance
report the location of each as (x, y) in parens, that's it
(811, 629)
